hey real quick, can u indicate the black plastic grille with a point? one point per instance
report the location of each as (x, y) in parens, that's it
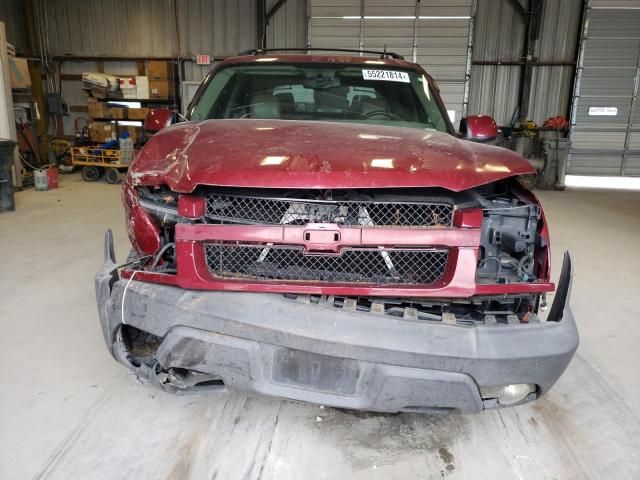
(353, 265)
(265, 210)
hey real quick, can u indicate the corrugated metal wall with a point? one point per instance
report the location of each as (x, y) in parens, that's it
(12, 14)
(288, 27)
(140, 28)
(551, 86)
(147, 28)
(499, 37)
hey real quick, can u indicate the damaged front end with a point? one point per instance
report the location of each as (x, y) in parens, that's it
(387, 300)
(472, 254)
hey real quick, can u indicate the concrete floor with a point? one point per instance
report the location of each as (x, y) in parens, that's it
(68, 411)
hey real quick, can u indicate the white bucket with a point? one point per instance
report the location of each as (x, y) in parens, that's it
(40, 179)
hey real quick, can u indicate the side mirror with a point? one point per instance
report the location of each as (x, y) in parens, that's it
(478, 128)
(159, 118)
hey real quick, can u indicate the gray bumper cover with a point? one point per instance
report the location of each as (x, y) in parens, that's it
(268, 344)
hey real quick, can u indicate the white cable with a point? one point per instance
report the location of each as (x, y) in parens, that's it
(124, 293)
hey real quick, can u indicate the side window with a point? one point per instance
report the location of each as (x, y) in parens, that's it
(215, 97)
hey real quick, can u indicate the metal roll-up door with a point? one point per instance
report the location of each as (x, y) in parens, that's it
(335, 24)
(391, 25)
(433, 33)
(443, 48)
(605, 118)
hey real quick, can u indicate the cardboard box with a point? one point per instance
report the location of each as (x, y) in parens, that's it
(19, 73)
(119, 113)
(98, 109)
(142, 87)
(101, 132)
(156, 70)
(137, 113)
(159, 88)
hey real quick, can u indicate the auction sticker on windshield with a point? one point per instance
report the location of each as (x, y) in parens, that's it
(388, 75)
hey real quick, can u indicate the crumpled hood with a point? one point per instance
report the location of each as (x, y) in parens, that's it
(313, 154)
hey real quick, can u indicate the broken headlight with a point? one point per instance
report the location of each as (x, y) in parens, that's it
(164, 213)
(160, 205)
(509, 241)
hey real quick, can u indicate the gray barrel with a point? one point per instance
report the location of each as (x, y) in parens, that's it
(6, 181)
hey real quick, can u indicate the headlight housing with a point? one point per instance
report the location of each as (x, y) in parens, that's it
(143, 232)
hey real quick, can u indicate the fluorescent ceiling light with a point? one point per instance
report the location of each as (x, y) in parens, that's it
(400, 17)
(461, 17)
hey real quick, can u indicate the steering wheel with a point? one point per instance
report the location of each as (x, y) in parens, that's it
(384, 113)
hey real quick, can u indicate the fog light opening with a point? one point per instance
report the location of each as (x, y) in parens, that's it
(139, 346)
(508, 394)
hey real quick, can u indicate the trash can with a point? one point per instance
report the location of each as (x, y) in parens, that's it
(6, 182)
(556, 152)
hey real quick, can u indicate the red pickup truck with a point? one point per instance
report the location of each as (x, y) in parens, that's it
(318, 231)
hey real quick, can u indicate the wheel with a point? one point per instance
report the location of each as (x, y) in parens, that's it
(112, 175)
(90, 173)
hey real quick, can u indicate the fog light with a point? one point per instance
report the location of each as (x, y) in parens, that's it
(508, 394)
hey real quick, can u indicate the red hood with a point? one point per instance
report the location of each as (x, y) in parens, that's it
(312, 154)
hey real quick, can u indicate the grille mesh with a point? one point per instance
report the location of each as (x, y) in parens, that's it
(265, 210)
(355, 265)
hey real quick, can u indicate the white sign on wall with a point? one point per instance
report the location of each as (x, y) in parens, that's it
(603, 111)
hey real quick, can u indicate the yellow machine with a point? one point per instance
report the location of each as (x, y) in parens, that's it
(96, 161)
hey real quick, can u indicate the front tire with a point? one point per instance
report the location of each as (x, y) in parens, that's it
(90, 173)
(112, 176)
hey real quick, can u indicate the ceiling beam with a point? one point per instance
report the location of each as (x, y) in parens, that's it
(274, 9)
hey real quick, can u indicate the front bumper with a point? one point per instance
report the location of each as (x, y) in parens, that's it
(268, 344)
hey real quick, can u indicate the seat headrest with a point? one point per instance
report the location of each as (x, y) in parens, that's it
(264, 105)
(287, 102)
(333, 99)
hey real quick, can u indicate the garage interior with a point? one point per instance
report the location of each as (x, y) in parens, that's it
(561, 79)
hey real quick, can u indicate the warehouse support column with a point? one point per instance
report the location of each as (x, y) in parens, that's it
(7, 119)
(532, 33)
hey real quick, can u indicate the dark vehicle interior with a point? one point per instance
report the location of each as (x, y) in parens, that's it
(312, 93)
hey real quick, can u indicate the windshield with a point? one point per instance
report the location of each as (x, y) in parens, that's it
(355, 94)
